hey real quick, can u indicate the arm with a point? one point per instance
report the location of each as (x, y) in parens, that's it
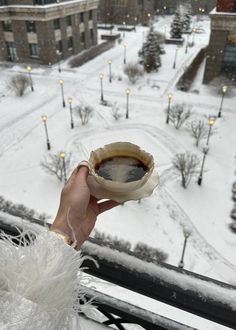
(40, 282)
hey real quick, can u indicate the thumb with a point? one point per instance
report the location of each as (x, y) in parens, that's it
(82, 173)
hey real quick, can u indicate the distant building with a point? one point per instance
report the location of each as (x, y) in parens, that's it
(195, 7)
(45, 31)
(128, 12)
(221, 53)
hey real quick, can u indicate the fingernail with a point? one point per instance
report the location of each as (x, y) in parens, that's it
(83, 163)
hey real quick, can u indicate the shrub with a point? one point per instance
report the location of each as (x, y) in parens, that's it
(85, 113)
(134, 71)
(18, 84)
(20, 210)
(53, 164)
(178, 114)
(150, 254)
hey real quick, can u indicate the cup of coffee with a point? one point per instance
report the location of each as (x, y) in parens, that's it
(120, 167)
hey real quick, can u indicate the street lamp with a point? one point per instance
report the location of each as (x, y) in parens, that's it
(125, 47)
(61, 82)
(44, 119)
(63, 156)
(211, 122)
(176, 52)
(205, 151)
(224, 90)
(101, 76)
(187, 44)
(124, 23)
(71, 113)
(127, 92)
(29, 69)
(193, 36)
(135, 23)
(186, 236)
(110, 76)
(170, 96)
(58, 59)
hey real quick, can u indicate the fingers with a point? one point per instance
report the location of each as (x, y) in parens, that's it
(80, 173)
(107, 205)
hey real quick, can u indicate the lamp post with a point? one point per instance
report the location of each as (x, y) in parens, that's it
(193, 36)
(175, 59)
(63, 156)
(124, 23)
(170, 96)
(101, 76)
(205, 151)
(71, 113)
(110, 76)
(224, 90)
(186, 236)
(211, 122)
(148, 15)
(125, 47)
(59, 61)
(44, 119)
(61, 82)
(187, 44)
(29, 69)
(135, 23)
(127, 92)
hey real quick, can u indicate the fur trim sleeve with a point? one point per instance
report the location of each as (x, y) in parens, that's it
(43, 276)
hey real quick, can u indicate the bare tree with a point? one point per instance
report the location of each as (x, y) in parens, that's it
(134, 71)
(178, 114)
(18, 84)
(186, 165)
(199, 130)
(85, 113)
(115, 111)
(53, 164)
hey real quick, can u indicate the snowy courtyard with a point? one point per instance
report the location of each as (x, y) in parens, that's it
(160, 219)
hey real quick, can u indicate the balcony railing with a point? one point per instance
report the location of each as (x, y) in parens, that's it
(187, 291)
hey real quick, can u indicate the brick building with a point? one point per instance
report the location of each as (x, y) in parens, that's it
(221, 53)
(45, 31)
(125, 11)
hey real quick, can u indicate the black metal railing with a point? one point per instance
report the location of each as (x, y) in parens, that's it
(187, 291)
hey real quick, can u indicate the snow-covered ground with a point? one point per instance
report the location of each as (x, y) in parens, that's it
(160, 219)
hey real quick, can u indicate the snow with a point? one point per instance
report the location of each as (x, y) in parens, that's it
(160, 219)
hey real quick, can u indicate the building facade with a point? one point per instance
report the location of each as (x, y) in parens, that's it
(46, 31)
(221, 53)
(195, 7)
(129, 12)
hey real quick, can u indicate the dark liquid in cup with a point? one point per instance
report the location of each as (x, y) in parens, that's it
(121, 168)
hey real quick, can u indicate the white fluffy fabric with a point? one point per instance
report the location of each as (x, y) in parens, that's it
(39, 284)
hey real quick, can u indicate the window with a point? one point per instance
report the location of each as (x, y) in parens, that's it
(230, 57)
(68, 21)
(70, 43)
(90, 15)
(56, 23)
(59, 46)
(7, 26)
(34, 51)
(81, 17)
(91, 34)
(82, 37)
(30, 26)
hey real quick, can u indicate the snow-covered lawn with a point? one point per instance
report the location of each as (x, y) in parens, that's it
(160, 219)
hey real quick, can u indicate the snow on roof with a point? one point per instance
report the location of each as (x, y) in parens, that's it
(220, 13)
(49, 5)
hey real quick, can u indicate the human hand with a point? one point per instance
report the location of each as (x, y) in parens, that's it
(78, 210)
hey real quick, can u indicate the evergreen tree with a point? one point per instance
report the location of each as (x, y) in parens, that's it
(186, 22)
(150, 52)
(176, 27)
